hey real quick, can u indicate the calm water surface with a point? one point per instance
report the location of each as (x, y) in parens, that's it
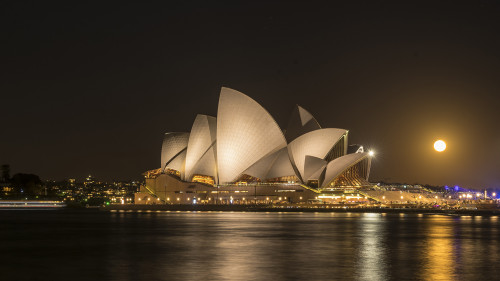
(88, 245)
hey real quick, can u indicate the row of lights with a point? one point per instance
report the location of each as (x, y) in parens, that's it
(209, 199)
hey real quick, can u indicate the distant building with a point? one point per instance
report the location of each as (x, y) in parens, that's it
(244, 155)
(5, 176)
(5, 185)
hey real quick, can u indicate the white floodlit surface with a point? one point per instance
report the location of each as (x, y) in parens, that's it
(338, 165)
(260, 168)
(281, 166)
(206, 165)
(317, 175)
(246, 132)
(173, 143)
(311, 167)
(201, 138)
(178, 163)
(316, 143)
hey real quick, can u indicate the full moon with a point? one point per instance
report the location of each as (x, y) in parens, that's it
(439, 145)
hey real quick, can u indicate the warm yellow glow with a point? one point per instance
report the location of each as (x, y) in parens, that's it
(439, 145)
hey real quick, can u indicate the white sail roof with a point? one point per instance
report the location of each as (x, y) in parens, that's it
(177, 163)
(316, 143)
(338, 165)
(246, 132)
(173, 144)
(281, 167)
(201, 139)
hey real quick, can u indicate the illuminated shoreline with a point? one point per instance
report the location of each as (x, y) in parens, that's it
(285, 208)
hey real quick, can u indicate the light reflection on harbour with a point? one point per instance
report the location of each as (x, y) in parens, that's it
(249, 246)
(372, 262)
(438, 254)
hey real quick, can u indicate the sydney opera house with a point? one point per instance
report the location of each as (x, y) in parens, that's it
(243, 156)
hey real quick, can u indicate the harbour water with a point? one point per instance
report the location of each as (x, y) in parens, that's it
(96, 245)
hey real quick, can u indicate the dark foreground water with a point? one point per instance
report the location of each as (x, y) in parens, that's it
(91, 245)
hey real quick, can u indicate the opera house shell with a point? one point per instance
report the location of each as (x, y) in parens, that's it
(244, 146)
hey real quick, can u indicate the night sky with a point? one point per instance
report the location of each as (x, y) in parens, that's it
(90, 88)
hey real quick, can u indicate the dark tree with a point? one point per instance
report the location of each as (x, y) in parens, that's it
(27, 184)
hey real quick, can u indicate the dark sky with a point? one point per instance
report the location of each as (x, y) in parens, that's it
(91, 87)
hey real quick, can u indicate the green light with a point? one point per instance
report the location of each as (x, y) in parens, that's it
(107, 203)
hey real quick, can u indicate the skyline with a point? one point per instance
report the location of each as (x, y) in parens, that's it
(88, 91)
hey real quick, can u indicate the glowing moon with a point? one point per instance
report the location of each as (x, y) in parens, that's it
(439, 145)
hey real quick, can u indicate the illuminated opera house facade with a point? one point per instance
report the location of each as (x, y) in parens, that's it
(243, 156)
